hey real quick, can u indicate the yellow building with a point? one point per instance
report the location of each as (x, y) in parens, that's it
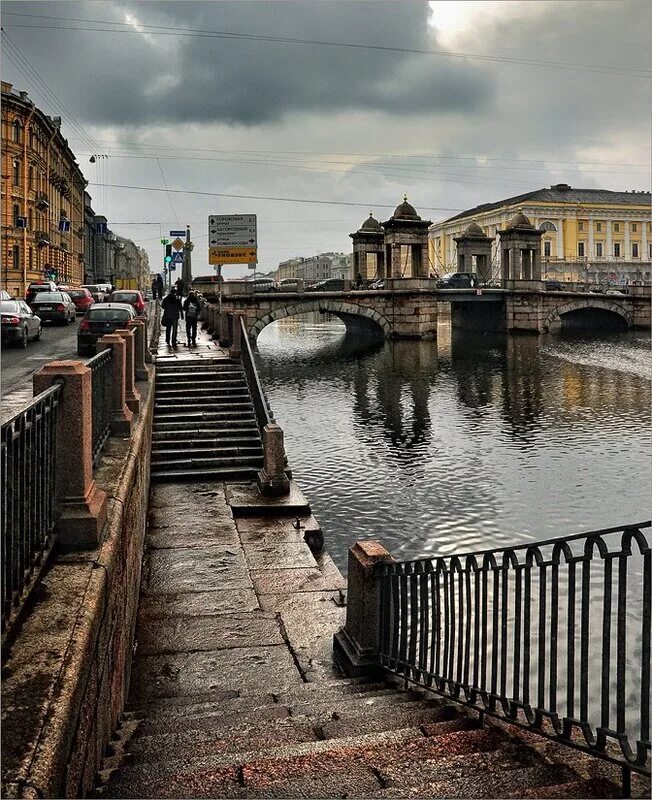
(588, 234)
(42, 198)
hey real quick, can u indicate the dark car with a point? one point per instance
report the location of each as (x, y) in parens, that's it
(458, 280)
(39, 286)
(82, 298)
(19, 323)
(329, 285)
(132, 297)
(553, 286)
(54, 306)
(100, 319)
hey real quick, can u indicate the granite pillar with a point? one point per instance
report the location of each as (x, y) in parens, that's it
(140, 339)
(121, 415)
(132, 394)
(272, 479)
(356, 645)
(81, 503)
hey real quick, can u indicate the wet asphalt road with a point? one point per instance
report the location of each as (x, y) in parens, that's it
(17, 365)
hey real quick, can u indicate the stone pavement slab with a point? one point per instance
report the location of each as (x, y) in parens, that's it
(192, 537)
(245, 501)
(288, 581)
(278, 556)
(197, 604)
(187, 569)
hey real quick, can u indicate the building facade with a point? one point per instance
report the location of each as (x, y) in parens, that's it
(315, 268)
(587, 234)
(43, 209)
(131, 265)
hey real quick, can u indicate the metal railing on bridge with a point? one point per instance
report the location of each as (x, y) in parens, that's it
(553, 636)
(101, 399)
(28, 498)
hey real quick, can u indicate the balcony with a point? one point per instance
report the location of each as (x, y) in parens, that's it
(42, 238)
(42, 202)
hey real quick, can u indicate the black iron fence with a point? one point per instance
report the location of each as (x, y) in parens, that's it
(101, 367)
(261, 406)
(28, 499)
(554, 636)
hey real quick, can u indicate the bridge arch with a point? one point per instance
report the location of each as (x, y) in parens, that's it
(554, 321)
(352, 314)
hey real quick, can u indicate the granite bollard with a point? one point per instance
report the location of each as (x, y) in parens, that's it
(139, 326)
(236, 340)
(272, 479)
(81, 502)
(121, 415)
(224, 327)
(132, 395)
(356, 645)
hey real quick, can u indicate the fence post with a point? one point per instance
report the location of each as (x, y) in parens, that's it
(272, 479)
(236, 339)
(224, 331)
(121, 416)
(140, 330)
(82, 504)
(356, 645)
(132, 395)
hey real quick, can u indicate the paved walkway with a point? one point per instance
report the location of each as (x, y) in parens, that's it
(206, 347)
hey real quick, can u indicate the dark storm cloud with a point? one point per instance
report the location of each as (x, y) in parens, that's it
(162, 79)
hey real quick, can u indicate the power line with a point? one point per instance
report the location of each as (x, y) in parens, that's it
(165, 183)
(185, 149)
(260, 197)
(177, 31)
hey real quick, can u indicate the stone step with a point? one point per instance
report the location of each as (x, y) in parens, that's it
(199, 388)
(209, 462)
(230, 440)
(193, 417)
(194, 452)
(230, 475)
(275, 769)
(200, 377)
(244, 432)
(305, 692)
(237, 400)
(317, 711)
(196, 366)
(589, 788)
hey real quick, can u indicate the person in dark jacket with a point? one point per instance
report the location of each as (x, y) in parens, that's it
(192, 307)
(180, 286)
(172, 310)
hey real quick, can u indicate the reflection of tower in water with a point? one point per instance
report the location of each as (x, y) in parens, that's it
(392, 392)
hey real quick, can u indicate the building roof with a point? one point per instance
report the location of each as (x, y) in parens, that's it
(405, 211)
(562, 193)
(473, 230)
(371, 224)
(519, 220)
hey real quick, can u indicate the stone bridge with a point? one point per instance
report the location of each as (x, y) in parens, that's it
(412, 312)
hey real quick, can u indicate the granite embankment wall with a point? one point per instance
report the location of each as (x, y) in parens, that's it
(66, 675)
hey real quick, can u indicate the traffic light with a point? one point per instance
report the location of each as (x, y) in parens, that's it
(168, 253)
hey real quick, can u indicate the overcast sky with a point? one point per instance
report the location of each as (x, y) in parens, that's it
(183, 106)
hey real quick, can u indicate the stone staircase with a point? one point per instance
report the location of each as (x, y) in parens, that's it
(204, 422)
(341, 738)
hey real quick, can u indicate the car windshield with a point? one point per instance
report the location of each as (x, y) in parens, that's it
(448, 275)
(39, 288)
(108, 313)
(126, 297)
(9, 307)
(51, 297)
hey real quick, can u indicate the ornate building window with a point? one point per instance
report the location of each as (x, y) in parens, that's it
(16, 172)
(546, 248)
(580, 249)
(634, 227)
(634, 249)
(598, 249)
(547, 227)
(598, 226)
(17, 131)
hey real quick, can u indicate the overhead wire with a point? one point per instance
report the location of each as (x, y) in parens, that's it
(177, 31)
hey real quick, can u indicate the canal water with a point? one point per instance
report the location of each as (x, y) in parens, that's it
(465, 443)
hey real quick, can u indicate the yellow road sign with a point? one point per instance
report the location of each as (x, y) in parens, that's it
(232, 255)
(178, 243)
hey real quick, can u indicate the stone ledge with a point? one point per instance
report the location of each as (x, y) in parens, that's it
(65, 677)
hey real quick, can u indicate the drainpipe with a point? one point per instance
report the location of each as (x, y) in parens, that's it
(50, 195)
(25, 214)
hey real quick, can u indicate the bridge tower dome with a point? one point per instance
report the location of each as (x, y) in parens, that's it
(520, 249)
(406, 243)
(369, 250)
(474, 244)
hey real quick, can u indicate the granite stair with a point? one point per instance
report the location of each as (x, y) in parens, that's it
(204, 422)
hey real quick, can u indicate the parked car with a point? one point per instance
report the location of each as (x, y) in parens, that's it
(5, 295)
(39, 286)
(264, 285)
(82, 298)
(553, 286)
(19, 323)
(96, 291)
(379, 284)
(100, 319)
(289, 285)
(458, 280)
(131, 296)
(54, 306)
(329, 285)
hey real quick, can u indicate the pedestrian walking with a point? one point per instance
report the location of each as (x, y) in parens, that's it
(191, 307)
(172, 310)
(154, 288)
(180, 286)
